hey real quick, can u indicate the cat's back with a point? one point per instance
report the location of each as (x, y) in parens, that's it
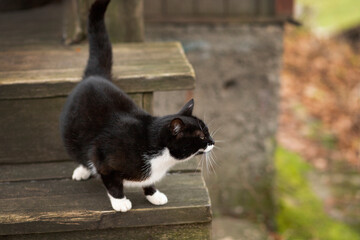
(91, 105)
(96, 91)
(96, 97)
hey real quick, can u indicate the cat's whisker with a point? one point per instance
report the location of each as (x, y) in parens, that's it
(207, 163)
(213, 163)
(199, 164)
(202, 160)
(209, 123)
(218, 148)
(210, 162)
(202, 165)
(216, 131)
(214, 158)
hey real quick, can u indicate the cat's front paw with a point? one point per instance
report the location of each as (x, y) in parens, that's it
(158, 198)
(81, 173)
(120, 204)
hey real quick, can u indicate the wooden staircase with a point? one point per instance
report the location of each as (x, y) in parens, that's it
(38, 199)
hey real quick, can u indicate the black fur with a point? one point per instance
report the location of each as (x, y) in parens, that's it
(102, 127)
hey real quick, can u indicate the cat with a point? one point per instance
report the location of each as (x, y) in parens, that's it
(109, 135)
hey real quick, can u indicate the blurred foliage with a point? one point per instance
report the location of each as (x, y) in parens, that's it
(331, 15)
(301, 214)
(320, 111)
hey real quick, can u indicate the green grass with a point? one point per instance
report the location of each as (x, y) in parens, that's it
(334, 15)
(301, 214)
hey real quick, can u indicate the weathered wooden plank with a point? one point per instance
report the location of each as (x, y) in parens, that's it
(230, 19)
(138, 99)
(138, 67)
(40, 26)
(166, 81)
(188, 166)
(180, 232)
(62, 170)
(182, 8)
(36, 171)
(66, 205)
(243, 7)
(267, 7)
(153, 8)
(62, 187)
(211, 7)
(148, 102)
(76, 56)
(30, 130)
(94, 220)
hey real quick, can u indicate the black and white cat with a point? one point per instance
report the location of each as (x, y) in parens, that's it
(109, 135)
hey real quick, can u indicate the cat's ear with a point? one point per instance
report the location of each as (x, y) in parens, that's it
(187, 109)
(176, 126)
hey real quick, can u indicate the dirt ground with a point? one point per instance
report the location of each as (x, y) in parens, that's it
(237, 89)
(227, 228)
(231, 66)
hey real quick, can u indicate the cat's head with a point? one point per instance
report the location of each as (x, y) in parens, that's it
(187, 134)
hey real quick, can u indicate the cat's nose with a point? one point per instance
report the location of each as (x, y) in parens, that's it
(211, 141)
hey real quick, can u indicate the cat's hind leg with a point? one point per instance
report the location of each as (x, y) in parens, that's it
(81, 173)
(154, 196)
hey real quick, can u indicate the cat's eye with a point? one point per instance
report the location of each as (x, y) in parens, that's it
(202, 137)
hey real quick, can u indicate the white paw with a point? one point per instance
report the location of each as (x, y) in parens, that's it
(158, 198)
(81, 173)
(120, 204)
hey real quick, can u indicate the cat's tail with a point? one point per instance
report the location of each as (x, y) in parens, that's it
(100, 53)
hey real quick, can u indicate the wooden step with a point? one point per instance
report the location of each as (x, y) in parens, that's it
(49, 72)
(38, 199)
(37, 72)
(34, 85)
(45, 203)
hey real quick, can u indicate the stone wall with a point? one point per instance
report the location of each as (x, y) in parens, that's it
(237, 68)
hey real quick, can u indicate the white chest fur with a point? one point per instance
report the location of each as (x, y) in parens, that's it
(159, 166)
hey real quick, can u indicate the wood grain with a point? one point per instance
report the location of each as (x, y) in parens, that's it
(62, 170)
(179, 232)
(138, 67)
(148, 102)
(66, 205)
(30, 130)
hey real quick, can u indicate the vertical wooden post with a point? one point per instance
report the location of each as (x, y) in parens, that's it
(266, 7)
(74, 20)
(124, 20)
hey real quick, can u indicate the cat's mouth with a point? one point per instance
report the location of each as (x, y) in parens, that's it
(206, 150)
